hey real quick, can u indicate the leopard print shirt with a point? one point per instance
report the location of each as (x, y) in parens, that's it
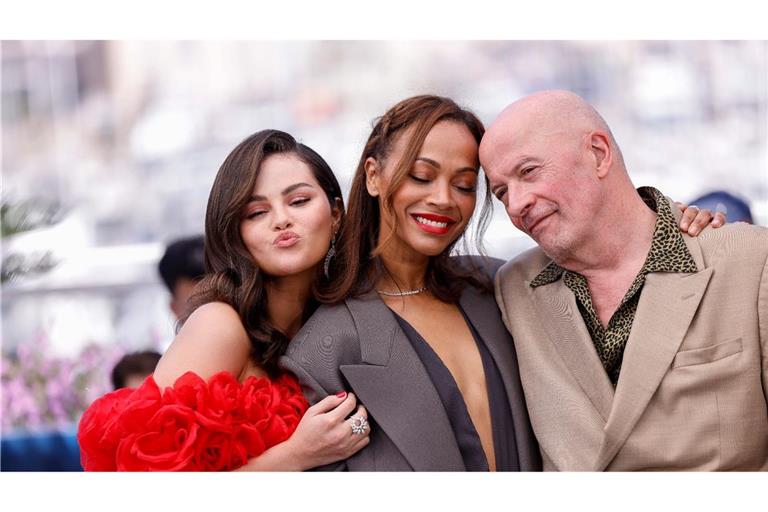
(668, 253)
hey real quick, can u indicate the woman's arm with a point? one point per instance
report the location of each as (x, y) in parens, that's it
(212, 340)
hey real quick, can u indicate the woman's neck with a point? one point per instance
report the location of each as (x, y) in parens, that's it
(405, 270)
(286, 299)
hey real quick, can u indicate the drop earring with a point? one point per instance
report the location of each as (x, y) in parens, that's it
(329, 256)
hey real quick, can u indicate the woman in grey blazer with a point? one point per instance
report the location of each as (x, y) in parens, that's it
(414, 332)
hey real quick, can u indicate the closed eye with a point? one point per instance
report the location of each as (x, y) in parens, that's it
(466, 189)
(300, 201)
(418, 180)
(255, 214)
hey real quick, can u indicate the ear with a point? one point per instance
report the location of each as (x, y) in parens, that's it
(601, 148)
(372, 175)
(336, 215)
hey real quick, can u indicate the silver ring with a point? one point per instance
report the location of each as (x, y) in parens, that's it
(694, 206)
(359, 425)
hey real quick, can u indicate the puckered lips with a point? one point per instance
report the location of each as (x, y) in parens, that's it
(432, 223)
(285, 239)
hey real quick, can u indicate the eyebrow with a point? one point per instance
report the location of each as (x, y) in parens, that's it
(285, 192)
(525, 161)
(437, 165)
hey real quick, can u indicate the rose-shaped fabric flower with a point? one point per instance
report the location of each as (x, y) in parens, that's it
(192, 426)
(168, 444)
(99, 433)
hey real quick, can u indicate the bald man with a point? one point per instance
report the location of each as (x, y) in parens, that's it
(640, 347)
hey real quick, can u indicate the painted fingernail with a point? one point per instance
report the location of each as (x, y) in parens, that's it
(341, 394)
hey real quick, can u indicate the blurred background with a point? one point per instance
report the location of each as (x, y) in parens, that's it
(109, 150)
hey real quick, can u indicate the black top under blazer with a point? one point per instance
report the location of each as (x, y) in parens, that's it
(359, 346)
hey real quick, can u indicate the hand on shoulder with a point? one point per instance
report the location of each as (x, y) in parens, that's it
(212, 340)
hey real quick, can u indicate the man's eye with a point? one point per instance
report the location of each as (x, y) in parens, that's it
(527, 170)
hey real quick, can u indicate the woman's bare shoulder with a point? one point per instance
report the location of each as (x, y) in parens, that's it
(213, 339)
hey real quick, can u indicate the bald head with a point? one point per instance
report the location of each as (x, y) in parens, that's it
(546, 113)
(551, 159)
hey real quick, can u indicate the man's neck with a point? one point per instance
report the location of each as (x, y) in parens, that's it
(619, 247)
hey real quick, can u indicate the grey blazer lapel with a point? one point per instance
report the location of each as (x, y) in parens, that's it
(394, 386)
(483, 314)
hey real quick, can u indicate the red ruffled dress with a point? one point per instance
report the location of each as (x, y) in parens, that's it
(192, 426)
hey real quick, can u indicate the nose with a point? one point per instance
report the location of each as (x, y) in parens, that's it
(281, 219)
(440, 194)
(519, 202)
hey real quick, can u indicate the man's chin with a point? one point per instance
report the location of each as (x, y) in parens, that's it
(555, 252)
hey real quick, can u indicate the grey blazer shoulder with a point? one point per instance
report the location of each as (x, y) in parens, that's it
(359, 346)
(326, 341)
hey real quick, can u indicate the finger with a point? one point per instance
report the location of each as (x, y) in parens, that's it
(356, 444)
(361, 411)
(328, 403)
(681, 206)
(688, 215)
(359, 444)
(719, 220)
(700, 222)
(358, 424)
(343, 409)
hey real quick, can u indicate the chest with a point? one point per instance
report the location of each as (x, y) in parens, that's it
(446, 331)
(606, 297)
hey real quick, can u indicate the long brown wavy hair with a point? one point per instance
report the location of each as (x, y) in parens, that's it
(232, 275)
(359, 245)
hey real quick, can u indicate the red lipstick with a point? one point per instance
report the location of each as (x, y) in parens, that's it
(433, 223)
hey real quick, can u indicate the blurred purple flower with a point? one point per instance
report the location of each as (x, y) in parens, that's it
(41, 391)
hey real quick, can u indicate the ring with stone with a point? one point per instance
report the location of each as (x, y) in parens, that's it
(359, 425)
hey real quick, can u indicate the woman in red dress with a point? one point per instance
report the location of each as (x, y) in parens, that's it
(217, 400)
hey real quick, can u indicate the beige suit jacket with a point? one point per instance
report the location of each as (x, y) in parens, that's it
(694, 380)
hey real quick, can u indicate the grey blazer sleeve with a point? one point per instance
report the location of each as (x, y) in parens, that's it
(327, 341)
(315, 354)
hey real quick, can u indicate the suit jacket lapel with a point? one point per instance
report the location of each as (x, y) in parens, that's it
(667, 305)
(483, 314)
(560, 317)
(397, 391)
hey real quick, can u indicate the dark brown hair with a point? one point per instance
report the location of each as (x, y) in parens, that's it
(232, 275)
(138, 364)
(358, 245)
